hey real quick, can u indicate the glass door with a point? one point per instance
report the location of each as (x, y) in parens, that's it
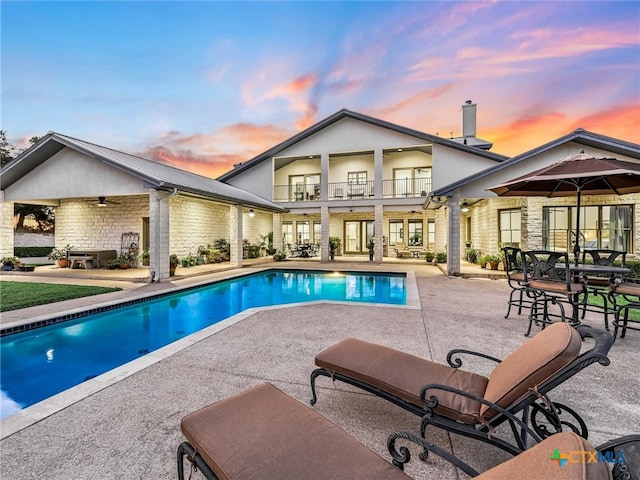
(357, 234)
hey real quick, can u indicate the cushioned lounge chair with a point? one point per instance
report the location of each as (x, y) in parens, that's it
(467, 403)
(262, 433)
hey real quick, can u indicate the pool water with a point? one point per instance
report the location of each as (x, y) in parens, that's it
(42, 362)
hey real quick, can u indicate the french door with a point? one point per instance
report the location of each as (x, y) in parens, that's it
(357, 234)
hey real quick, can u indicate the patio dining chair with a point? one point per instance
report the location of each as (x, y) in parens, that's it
(598, 286)
(624, 297)
(469, 404)
(549, 283)
(515, 277)
(263, 433)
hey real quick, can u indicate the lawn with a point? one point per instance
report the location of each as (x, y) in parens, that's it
(15, 295)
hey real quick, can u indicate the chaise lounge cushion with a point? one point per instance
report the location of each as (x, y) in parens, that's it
(537, 462)
(262, 433)
(404, 375)
(529, 365)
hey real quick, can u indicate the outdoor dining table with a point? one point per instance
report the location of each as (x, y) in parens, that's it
(586, 269)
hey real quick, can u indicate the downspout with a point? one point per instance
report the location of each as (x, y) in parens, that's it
(155, 274)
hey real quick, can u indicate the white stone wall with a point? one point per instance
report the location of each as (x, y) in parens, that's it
(34, 239)
(84, 225)
(196, 222)
(6, 227)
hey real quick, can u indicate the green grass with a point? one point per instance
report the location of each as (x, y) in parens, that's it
(634, 314)
(15, 295)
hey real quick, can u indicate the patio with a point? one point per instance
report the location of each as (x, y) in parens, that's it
(131, 428)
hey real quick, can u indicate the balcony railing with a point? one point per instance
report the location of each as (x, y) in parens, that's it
(399, 188)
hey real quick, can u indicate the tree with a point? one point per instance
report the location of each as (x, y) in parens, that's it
(7, 151)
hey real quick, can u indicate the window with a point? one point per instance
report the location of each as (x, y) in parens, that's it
(510, 227)
(431, 234)
(287, 233)
(415, 233)
(302, 232)
(396, 231)
(359, 178)
(317, 231)
(304, 187)
(601, 226)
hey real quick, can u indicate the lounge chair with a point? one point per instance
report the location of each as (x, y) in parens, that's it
(470, 404)
(262, 433)
(401, 250)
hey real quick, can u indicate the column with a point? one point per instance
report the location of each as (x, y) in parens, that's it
(324, 233)
(379, 230)
(6, 227)
(235, 235)
(277, 232)
(453, 235)
(159, 235)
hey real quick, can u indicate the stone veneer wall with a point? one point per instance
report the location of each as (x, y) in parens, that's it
(196, 222)
(84, 225)
(34, 239)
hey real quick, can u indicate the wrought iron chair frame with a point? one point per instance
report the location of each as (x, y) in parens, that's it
(599, 286)
(515, 277)
(530, 406)
(632, 297)
(548, 285)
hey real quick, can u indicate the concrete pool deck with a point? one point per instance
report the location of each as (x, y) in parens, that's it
(130, 429)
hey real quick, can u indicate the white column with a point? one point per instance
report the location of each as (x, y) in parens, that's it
(324, 178)
(277, 232)
(159, 235)
(379, 229)
(235, 235)
(453, 235)
(324, 233)
(6, 227)
(377, 168)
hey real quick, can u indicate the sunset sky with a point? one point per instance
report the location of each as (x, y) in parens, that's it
(203, 85)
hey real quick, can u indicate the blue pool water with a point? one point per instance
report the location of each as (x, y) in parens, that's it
(39, 363)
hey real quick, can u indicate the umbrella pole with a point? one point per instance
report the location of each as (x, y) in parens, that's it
(576, 247)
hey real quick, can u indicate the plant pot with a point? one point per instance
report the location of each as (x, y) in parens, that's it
(371, 256)
(494, 265)
(62, 262)
(7, 268)
(184, 263)
(172, 270)
(332, 256)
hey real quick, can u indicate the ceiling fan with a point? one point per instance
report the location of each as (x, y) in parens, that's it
(102, 202)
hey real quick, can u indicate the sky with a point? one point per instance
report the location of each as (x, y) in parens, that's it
(204, 85)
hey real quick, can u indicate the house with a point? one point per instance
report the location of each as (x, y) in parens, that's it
(359, 178)
(100, 193)
(349, 177)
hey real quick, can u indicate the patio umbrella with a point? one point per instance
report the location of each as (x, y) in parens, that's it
(576, 175)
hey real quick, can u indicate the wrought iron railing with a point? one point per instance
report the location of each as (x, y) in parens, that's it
(399, 188)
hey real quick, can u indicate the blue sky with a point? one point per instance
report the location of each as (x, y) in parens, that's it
(203, 85)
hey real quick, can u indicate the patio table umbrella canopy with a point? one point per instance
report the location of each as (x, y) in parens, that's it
(576, 175)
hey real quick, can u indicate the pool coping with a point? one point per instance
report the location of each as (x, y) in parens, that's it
(41, 410)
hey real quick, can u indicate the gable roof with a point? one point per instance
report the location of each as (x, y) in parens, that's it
(154, 174)
(579, 136)
(344, 113)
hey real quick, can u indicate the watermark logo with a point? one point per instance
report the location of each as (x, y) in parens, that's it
(580, 456)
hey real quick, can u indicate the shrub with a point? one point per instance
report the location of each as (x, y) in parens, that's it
(32, 251)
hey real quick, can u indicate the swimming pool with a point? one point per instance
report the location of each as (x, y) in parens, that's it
(42, 362)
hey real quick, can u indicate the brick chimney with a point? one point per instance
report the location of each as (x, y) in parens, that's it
(468, 119)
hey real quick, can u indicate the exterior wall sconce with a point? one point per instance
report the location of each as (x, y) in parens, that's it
(465, 207)
(252, 213)
(101, 202)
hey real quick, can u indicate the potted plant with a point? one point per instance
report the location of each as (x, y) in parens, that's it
(173, 263)
(494, 261)
(60, 255)
(124, 261)
(429, 256)
(145, 257)
(204, 253)
(333, 246)
(279, 256)
(113, 263)
(370, 246)
(9, 263)
(482, 261)
(441, 257)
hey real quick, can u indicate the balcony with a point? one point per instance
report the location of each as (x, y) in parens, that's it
(398, 188)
